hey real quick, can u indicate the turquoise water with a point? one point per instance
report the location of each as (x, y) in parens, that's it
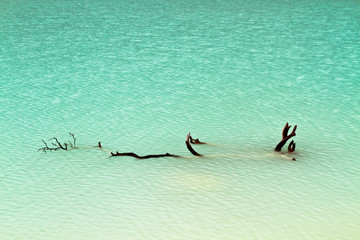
(138, 76)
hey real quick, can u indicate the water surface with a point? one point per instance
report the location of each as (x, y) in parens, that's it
(138, 76)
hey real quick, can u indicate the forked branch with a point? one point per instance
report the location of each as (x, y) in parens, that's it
(57, 145)
(286, 137)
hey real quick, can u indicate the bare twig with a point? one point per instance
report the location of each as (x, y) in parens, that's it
(57, 145)
(74, 139)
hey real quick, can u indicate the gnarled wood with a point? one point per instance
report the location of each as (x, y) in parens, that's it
(189, 147)
(286, 137)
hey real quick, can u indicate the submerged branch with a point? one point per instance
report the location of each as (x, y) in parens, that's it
(196, 141)
(189, 147)
(74, 139)
(286, 137)
(131, 154)
(57, 145)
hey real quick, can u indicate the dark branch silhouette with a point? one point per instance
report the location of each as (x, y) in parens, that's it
(57, 145)
(54, 144)
(101, 148)
(196, 141)
(291, 147)
(131, 154)
(74, 140)
(286, 137)
(189, 147)
(99, 145)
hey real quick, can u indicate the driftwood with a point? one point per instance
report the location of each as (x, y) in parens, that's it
(286, 137)
(196, 141)
(131, 154)
(189, 147)
(56, 145)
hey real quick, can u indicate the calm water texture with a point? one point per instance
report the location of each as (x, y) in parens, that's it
(138, 76)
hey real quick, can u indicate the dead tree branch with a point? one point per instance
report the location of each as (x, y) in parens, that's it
(286, 137)
(196, 141)
(131, 154)
(189, 147)
(57, 145)
(74, 140)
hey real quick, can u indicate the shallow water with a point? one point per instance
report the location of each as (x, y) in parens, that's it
(138, 76)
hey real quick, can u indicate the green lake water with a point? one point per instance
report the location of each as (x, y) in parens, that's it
(138, 76)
